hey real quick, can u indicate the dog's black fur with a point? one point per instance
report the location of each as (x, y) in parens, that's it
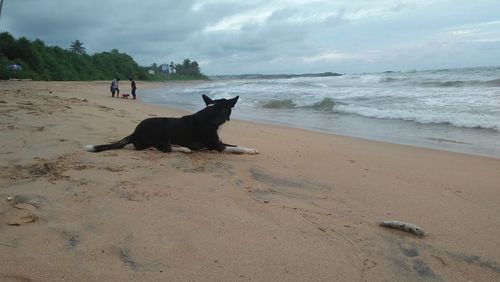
(197, 131)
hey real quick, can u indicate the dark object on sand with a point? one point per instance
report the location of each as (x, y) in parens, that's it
(403, 226)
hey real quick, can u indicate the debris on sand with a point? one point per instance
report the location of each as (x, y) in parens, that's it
(403, 226)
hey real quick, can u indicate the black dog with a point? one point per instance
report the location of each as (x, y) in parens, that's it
(192, 132)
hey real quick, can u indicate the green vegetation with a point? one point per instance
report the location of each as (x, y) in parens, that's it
(41, 62)
(188, 70)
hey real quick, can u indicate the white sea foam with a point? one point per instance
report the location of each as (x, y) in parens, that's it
(465, 120)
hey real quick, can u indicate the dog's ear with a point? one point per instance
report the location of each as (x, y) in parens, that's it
(233, 101)
(207, 100)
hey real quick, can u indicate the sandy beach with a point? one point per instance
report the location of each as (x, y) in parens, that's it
(307, 208)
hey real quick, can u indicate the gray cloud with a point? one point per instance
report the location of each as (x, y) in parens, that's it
(229, 36)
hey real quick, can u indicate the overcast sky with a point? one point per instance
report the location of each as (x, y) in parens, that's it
(271, 36)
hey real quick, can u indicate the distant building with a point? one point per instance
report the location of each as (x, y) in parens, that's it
(151, 71)
(14, 67)
(165, 68)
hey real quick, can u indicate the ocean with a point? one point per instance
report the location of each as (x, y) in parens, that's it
(447, 109)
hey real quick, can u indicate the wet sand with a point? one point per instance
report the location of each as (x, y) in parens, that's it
(306, 208)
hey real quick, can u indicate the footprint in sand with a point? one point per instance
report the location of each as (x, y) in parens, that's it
(72, 239)
(104, 108)
(23, 210)
(20, 214)
(129, 191)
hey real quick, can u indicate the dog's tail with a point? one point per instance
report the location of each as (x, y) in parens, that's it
(113, 146)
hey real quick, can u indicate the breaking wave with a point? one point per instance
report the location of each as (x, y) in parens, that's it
(461, 98)
(431, 82)
(465, 120)
(326, 104)
(457, 119)
(279, 104)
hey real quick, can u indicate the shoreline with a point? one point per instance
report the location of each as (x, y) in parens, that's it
(356, 129)
(437, 144)
(306, 208)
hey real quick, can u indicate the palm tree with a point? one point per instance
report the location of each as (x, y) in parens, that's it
(77, 47)
(172, 67)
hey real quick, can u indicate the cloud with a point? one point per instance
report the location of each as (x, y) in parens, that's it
(475, 32)
(333, 56)
(232, 36)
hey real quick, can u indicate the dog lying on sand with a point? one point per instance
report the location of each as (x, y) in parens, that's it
(188, 133)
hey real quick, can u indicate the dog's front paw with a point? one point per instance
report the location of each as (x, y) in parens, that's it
(251, 151)
(181, 150)
(241, 150)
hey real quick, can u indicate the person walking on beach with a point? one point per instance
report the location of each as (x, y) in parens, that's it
(114, 88)
(133, 87)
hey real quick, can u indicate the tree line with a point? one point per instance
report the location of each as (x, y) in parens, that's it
(187, 70)
(25, 59)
